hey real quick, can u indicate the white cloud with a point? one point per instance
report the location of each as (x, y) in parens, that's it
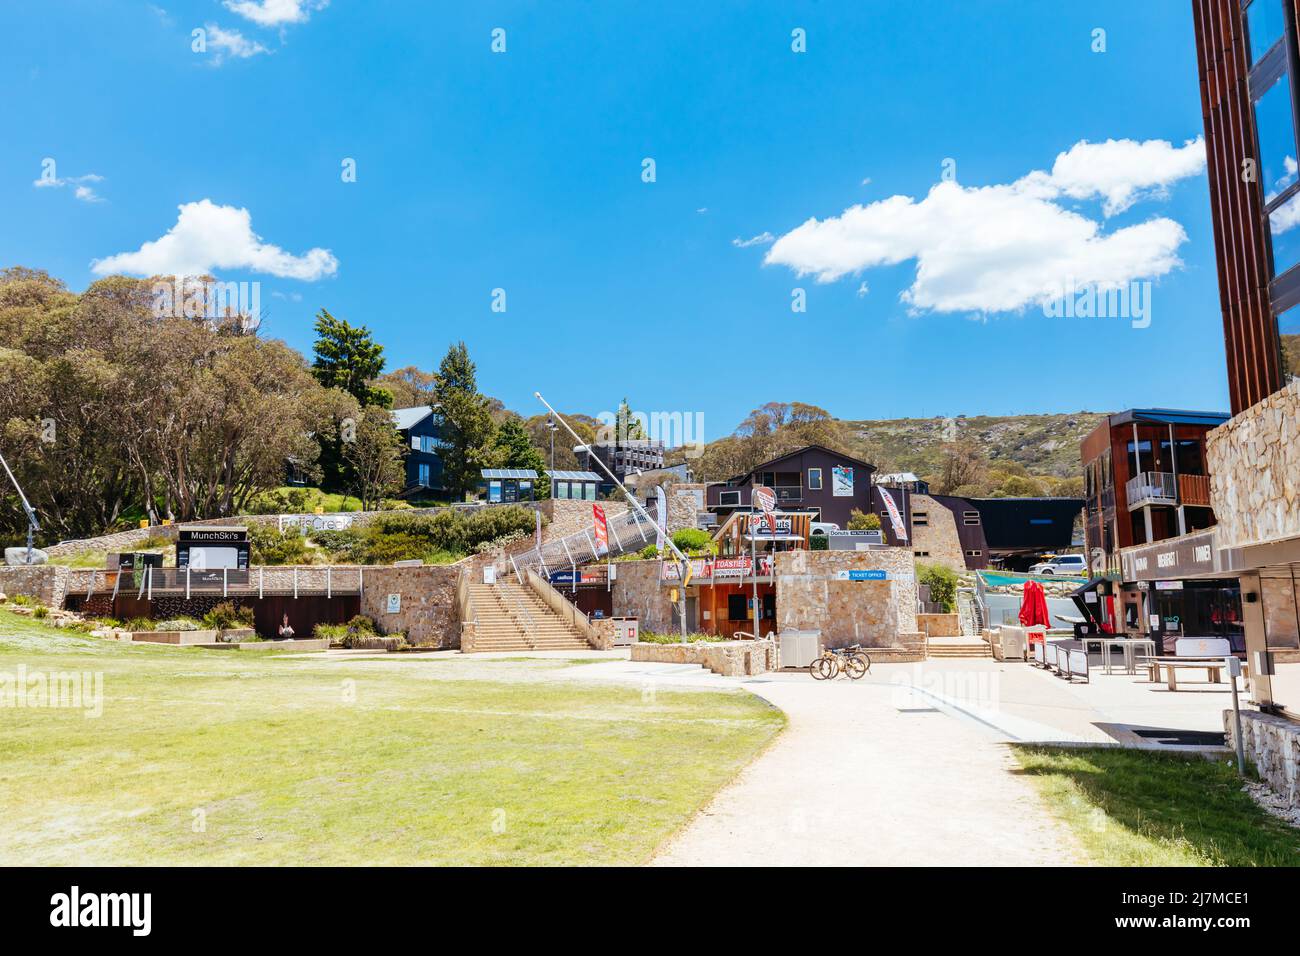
(275, 13)
(225, 44)
(208, 237)
(80, 189)
(761, 239)
(1122, 171)
(1002, 248)
(863, 290)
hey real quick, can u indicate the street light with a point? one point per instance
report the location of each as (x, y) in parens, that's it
(550, 423)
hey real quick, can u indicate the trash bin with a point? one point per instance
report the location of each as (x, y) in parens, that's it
(799, 648)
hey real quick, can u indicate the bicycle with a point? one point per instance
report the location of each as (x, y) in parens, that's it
(834, 661)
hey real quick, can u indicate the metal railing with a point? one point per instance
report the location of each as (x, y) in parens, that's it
(295, 580)
(626, 531)
(1151, 488)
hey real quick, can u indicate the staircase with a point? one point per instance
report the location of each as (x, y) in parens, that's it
(947, 647)
(969, 612)
(510, 617)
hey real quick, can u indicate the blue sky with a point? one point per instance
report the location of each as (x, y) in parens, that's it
(523, 171)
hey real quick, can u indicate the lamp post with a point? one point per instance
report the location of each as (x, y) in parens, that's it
(550, 423)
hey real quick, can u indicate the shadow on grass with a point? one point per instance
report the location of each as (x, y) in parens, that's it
(1138, 807)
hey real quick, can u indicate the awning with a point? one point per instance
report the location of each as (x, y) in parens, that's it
(498, 473)
(1077, 595)
(772, 537)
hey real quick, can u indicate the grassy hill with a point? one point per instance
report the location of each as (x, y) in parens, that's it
(1043, 444)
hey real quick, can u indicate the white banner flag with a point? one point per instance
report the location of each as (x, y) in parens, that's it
(661, 519)
(895, 516)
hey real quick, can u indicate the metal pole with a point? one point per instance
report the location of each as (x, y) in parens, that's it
(32, 524)
(1233, 666)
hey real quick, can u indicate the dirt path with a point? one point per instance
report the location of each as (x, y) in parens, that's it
(870, 774)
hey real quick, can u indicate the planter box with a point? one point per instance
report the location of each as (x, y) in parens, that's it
(179, 638)
(236, 635)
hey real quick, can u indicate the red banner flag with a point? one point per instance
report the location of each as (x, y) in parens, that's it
(600, 529)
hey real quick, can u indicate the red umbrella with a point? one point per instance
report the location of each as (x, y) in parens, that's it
(1033, 609)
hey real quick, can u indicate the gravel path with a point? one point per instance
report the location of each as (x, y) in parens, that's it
(870, 774)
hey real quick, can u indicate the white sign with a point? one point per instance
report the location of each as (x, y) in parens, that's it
(394, 603)
(331, 522)
(895, 516)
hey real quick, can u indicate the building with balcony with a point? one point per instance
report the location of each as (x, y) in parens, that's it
(624, 458)
(813, 479)
(1145, 480)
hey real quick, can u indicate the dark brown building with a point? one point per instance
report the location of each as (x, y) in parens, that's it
(1145, 479)
(813, 479)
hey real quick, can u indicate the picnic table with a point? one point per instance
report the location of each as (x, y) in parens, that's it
(1213, 668)
(1108, 642)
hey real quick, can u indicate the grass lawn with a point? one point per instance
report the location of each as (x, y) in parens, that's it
(1138, 808)
(211, 758)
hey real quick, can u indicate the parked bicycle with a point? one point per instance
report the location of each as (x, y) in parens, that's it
(852, 661)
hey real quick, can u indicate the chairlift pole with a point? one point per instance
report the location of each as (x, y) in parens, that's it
(32, 524)
(684, 565)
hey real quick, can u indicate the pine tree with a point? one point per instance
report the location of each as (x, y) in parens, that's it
(467, 434)
(515, 449)
(348, 358)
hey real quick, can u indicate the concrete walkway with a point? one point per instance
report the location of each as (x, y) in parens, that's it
(872, 775)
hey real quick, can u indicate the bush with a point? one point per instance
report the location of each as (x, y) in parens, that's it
(40, 611)
(226, 616)
(362, 624)
(334, 633)
(693, 541)
(23, 600)
(178, 624)
(272, 546)
(943, 584)
(649, 551)
(396, 536)
(818, 542)
(860, 521)
(139, 624)
(345, 544)
(651, 637)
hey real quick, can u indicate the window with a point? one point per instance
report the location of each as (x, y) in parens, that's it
(921, 554)
(428, 443)
(729, 498)
(589, 491)
(973, 554)
(814, 479)
(561, 489)
(1276, 129)
(970, 517)
(1284, 237)
(423, 480)
(1288, 329)
(1264, 27)
(920, 519)
(737, 607)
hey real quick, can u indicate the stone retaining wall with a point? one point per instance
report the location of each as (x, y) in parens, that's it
(938, 536)
(728, 658)
(1273, 744)
(48, 583)
(637, 593)
(939, 625)
(429, 616)
(871, 613)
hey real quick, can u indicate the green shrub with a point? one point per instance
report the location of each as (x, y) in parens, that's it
(819, 542)
(694, 541)
(649, 551)
(272, 546)
(40, 611)
(139, 624)
(333, 633)
(23, 600)
(361, 624)
(226, 616)
(943, 584)
(178, 624)
(398, 546)
(344, 544)
(860, 521)
(652, 637)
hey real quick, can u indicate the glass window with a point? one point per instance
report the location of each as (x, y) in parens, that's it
(561, 489)
(1282, 225)
(1276, 130)
(1264, 26)
(815, 479)
(1288, 329)
(424, 476)
(589, 491)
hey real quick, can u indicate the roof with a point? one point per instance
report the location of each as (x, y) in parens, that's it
(508, 473)
(574, 475)
(405, 418)
(899, 477)
(799, 451)
(1170, 416)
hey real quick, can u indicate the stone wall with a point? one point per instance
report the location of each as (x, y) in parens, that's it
(48, 583)
(728, 658)
(939, 625)
(871, 613)
(939, 535)
(637, 593)
(1254, 465)
(1273, 745)
(429, 615)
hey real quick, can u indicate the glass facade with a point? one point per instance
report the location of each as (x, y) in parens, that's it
(1275, 125)
(1265, 24)
(1288, 328)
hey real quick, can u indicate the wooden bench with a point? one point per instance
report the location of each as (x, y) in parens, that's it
(1213, 668)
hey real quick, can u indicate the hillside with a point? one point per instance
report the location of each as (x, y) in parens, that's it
(1043, 444)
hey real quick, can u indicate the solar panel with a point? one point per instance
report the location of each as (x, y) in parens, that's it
(499, 473)
(574, 475)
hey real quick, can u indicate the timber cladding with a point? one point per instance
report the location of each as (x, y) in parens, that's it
(1241, 242)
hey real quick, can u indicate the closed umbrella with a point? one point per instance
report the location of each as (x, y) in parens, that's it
(1033, 607)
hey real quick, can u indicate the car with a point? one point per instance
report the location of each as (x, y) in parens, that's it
(1062, 564)
(822, 527)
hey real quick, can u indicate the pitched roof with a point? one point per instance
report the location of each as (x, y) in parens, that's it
(798, 451)
(405, 418)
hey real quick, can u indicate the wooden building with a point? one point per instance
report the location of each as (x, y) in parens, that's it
(814, 479)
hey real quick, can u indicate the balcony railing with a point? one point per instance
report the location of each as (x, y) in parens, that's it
(788, 493)
(1165, 488)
